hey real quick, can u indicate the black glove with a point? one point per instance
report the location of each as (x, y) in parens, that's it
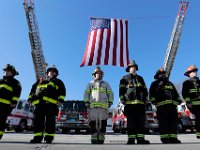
(122, 101)
(109, 104)
(87, 105)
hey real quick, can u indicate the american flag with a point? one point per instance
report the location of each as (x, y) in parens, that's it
(107, 43)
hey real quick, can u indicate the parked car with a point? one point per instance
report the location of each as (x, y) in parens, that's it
(186, 120)
(73, 116)
(120, 120)
(21, 117)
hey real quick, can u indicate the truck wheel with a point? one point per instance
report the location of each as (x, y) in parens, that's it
(192, 130)
(87, 130)
(77, 131)
(116, 130)
(146, 130)
(181, 128)
(123, 131)
(65, 131)
(21, 127)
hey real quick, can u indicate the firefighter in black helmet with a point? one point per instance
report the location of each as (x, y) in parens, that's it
(46, 95)
(165, 97)
(133, 94)
(10, 91)
(191, 94)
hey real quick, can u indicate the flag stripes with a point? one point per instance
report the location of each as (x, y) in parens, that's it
(107, 43)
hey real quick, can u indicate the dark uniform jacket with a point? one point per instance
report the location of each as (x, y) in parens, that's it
(133, 89)
(191, 91)
(163, 92)
(10, 90)
(48, 91)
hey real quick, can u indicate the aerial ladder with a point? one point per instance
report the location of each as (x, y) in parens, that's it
(175, 38)
(34, 36)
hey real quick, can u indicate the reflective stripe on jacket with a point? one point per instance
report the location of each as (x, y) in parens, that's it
(191, 91)
(10, 90)
(163, 92)
(50, 91)
(132, 89)
(98, 93)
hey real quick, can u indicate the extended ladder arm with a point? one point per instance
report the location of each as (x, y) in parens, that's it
(175, 38)
(36, 45)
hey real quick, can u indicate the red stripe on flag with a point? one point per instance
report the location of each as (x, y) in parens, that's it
(121, 44)
(107, 47)
(127, 51)
(115, 44)
(92, 48)
(86, 51)
(100, 47)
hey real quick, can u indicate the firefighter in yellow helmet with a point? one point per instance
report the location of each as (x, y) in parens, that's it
(133, 94)
(10, 91)
(191, 94)
(164, 96)
(47, 95)
(98, 97)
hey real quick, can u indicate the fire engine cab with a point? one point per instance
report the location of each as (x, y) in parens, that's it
(21, 117)
(73, 116)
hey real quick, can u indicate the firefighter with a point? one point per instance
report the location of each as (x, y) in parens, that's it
(165, 97)
(191, 94)
(10, 91)
(47, 95)
(98, 97)
(133, 94)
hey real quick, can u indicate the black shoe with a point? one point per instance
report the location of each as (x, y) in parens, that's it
(175, 140)
(48, 141)
(94, 142)
(131, 141)
(142, 141)
(1, 137)
(100, 142)
(35, 141)
(165, 140)
(198, 137)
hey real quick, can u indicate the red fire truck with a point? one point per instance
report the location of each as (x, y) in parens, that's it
(73, 116)
(186, 120)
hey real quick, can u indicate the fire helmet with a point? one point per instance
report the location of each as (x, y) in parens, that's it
(132, 64)
(52, 68)
(190, 69)
(11, 68)
(98, 69)
(158, 72)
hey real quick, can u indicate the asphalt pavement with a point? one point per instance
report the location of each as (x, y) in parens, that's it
(20, 141)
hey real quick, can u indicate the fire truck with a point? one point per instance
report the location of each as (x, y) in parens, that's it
(21, 117)
(186, 120)
(73, 116)
(120, 120)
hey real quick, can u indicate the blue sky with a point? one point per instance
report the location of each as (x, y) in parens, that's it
(64, 26)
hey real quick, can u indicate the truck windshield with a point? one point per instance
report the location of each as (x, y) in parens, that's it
(74, 106)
